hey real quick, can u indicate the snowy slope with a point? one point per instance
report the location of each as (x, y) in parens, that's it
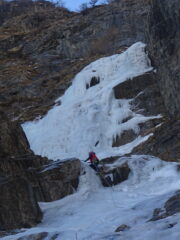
(91, 115)
(94, 212)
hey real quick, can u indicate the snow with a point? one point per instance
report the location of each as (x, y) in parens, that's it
(72, 129)
(91, 115)
(94, 212)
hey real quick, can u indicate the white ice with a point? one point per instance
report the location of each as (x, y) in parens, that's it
(89, 116)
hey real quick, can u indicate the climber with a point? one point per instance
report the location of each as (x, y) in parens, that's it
(93, 160)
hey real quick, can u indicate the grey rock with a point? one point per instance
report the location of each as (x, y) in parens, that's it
(149, 102)
(114, 175)
(36, 236)
(132, 87)
(165, 142)
(122, 227)
(126, 137)
(57, 180)
(13, 140)
(146, 100)
(18, 205)
(171, 207)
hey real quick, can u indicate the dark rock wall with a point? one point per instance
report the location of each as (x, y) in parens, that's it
(12, 138)
(57, 180)
(163, 37)
(18, 205)
(26, 178)
(165, 142)
(146, 99)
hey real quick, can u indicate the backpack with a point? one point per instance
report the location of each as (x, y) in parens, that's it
(95, 160)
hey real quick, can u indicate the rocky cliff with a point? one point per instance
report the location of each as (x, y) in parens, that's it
(26, 178)
(163, 43)
(163, 35)
(41, 49)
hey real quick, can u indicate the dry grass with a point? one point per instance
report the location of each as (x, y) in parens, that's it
(104, 42)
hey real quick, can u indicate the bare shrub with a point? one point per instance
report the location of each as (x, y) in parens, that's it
(92, 3)
(83, 8)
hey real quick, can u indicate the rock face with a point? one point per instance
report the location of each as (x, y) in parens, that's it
(146, 100)
(112, 175)
(164, 47)
(57, 180)
(26, 178)
(165, 143)
(19, 207)
(132, 87)
(9, 133)
(171, 207)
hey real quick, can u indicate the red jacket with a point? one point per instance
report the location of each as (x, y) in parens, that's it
(93, 158)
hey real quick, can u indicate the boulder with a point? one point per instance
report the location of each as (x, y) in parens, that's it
(112, 175)
(35, 236)
(57, 180)
(122, 228)
(171, 207)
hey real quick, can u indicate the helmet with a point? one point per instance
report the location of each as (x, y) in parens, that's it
(90, 153)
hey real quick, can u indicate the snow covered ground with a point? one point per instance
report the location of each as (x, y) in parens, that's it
(87, 116)
(94, 212)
